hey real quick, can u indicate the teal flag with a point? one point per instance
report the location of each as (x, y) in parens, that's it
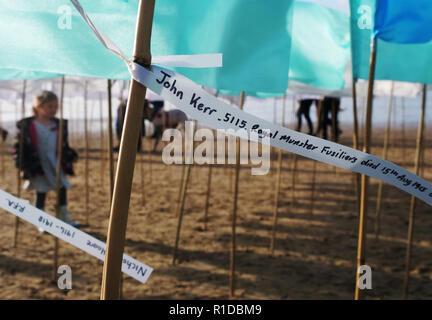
(12, 74)
(320, 46)
(51, 37)
(398, 62)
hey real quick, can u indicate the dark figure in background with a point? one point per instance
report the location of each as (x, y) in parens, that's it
(4, 133)
(121, 113)
(304, 110)
(329, 112)
(157, 105)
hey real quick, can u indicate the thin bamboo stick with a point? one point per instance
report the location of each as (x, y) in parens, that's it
(207, 202)
(20, 156)
(58, 175)
(356, 143)
(110, 141)
(185, 184)
(278, 184)
(385, 156)
(127, 154)
(403, 134)
(293, 180)
(102, 143)
(86, 140)
(420, 138)
(234, 214)
(361, 252)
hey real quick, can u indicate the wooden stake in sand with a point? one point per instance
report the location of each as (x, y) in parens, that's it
(20, 156)
(278, 183)
(86, 140)
(361, 251)
(58, 175)
(420, 137)
(234, 214)
(385, 156)
(110, 140)
(185, 181)
(102, 143)
(356, 142)
(207, 202)
(142, 174)
(127, 155)
(403, 139)
(293, 180)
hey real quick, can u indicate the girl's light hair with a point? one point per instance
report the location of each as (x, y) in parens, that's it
(44, 97)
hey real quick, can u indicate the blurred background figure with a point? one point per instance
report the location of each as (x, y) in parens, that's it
(4, 133)
(305, 104)
(329, 116)
(121, 112)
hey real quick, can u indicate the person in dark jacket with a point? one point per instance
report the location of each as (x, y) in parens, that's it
(121, 114)
(35, 152)
(4, 133)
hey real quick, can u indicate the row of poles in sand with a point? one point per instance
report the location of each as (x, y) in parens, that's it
(186, 173)
(121, 187)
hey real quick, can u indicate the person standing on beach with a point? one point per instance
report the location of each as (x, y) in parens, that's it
(39, 135)
(304, 111)
(4, 133)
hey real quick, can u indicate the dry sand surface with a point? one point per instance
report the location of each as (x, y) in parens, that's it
(315, 256)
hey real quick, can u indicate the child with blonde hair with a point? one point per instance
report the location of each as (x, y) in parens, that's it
(39, 135)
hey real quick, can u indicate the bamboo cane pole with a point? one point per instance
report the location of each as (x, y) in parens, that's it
(420, 138)
(356, 143)
(334, 129)
(278, 184)
(207, 202)
(142, 173)
(293, 180)
(385, 156)
(403, 134)
(110, 141)
(58, 173)
(234, 214)
(20, 156)
(314, 169)
(102, 143)
(86, 140)
(361, 251)
(189, 151)
(127, 154)
(393, 132)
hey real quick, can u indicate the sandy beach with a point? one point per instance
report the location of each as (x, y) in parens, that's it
(315, 255)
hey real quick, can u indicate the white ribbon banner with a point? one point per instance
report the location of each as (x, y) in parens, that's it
(22, 209)
(201, 106)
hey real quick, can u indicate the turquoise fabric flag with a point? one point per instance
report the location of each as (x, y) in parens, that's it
(49, 36)
(403, 21)
(398, 62)
(320, 46)
(12, 74)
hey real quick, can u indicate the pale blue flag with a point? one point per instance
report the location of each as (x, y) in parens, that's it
(320, 46)
(50, 36)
